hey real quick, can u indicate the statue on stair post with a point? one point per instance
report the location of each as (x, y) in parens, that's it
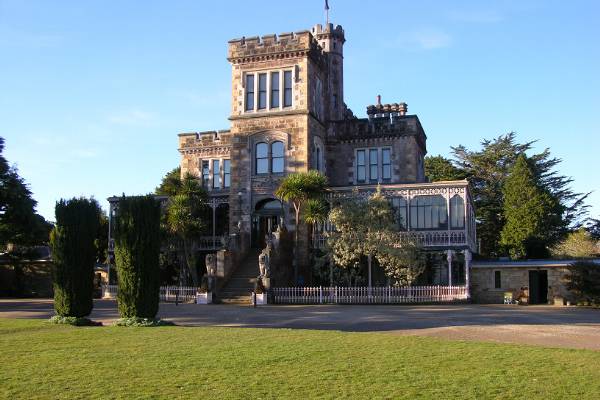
(264, 265)
(211, 271)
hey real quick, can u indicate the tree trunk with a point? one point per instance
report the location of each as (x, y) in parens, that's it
(295, 260)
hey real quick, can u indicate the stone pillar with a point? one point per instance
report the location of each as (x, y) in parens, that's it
(468, 258)
(449, 258)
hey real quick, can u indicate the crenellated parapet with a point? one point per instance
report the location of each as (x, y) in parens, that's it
(271, 46)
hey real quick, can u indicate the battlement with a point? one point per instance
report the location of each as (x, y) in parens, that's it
(269, 46)
(386, 110)
(329, 30)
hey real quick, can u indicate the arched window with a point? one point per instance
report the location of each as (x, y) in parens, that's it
(457, 212)
(277, 156)
(428, 212)
(262, 158)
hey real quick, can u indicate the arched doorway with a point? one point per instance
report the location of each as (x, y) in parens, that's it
(265, 220)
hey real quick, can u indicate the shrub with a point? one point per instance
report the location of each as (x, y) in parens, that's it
(75, 321)
(142, 322)
(584, 282)
(137, 247)
(74, 256)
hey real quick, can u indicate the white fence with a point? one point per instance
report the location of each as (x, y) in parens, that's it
(373, 295)
(182, 294)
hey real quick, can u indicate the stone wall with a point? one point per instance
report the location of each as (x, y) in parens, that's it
(512, 280)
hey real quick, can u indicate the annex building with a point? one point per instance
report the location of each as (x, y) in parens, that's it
(288, 115)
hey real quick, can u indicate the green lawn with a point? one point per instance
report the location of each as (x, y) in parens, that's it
(39, 360)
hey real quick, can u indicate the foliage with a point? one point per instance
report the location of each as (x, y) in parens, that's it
(19, 223)
(185, 220)
(487, 170)
(189, 362)
(74, 321)
(298, 189)
(170, 184)
(529, 210)
(577, 244)
(584, 282)
(137, 246)
(438, 168)
(368, 228)
(142, 322)
(74, 256)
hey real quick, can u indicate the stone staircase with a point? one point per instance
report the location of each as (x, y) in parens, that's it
(240, 285)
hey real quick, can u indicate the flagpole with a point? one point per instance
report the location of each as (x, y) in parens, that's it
(327, 12)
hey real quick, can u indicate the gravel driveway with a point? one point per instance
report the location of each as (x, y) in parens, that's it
(537, 325)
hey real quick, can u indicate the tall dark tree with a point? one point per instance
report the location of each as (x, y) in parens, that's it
(74, 256)
(170, 184)
(438, 168)
(530, 212)
(137, 248)
(487, 170)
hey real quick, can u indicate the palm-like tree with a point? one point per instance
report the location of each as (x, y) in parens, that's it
(184, 219)
(298, 189)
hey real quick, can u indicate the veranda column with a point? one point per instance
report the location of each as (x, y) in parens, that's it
(449, 258)
(468, 258)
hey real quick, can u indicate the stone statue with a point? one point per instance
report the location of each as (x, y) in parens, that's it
(211, 264)
(263, 263)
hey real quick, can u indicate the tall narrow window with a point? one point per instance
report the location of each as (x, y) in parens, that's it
(386, 164)
(457, 212)
(287, 88)
(274, 89)
(373, 165)
(205, 173)
(318, 158)
(361, 172)
(262, 91)
(216, 174)
(400, 206)
(226, 173)
(250, 92)
(262, 158)
(497, 279)
(277, 156)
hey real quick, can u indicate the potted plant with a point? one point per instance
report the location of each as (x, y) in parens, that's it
(260, 292)
(204, 296)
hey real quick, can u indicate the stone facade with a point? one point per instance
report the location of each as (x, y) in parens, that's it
(490, 281)
(287, 90)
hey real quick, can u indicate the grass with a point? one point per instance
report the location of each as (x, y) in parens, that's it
(40, 360)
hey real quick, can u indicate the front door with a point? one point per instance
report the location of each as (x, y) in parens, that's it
(266, 225)
(538, 287)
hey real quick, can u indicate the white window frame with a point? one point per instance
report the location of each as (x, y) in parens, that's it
(368, 179)
(210, 185)
(268, 107)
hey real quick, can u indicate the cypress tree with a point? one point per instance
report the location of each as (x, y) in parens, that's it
(137, 247)
(530, 210)
(74, 256)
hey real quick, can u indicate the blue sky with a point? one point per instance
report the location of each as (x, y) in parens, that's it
(93, 93)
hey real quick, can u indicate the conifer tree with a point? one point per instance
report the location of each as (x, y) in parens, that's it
(530, 212)
(74, 255)
(137, 247)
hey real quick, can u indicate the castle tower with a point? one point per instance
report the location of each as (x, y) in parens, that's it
(332, 41)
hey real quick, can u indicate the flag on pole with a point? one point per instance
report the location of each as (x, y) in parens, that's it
(326, 5)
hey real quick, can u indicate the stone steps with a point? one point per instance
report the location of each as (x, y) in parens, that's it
(241, 284)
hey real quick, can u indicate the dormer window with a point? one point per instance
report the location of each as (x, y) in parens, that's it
(263, 90)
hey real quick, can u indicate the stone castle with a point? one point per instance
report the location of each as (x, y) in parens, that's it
(288, 115)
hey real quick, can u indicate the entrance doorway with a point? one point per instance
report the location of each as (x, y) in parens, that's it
(538, 287)
(265, 220)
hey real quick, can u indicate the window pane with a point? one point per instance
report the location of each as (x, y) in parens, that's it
(216, 175)
(261, 150)
(277, 149)
(360, 157)
(385, 156)
(249, 92)
(262, 91)
(386, 171)
(373, 163)
(287, 88)
(205, 173)
(226, 173)
(277, 165)
(262, 166)
(274, 89)
(457, 212)
(360, 173)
